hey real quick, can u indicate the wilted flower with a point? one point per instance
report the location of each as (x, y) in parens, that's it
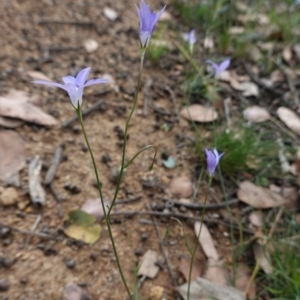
(213, 158)
(219, 68)
(74, 86)
(148, 22)
(190, 38)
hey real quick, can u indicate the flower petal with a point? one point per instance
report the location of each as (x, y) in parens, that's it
(223, 66)
(49, 83)
(213, 64)
(82, 77)
(96, 81)
(75, 94)
(69, 79)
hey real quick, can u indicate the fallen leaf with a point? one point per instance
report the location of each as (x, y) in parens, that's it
(209, 43)
(184, 268)
(156, 293)
(166, 16)
(36, 75)
(201, 288)
(110, 13)
(148, 266)
(13, 156)
(199, 113)
(276, 76)
(256, 218)
(94, 207)
(82, 226)
(206, 241)
(241, 279)
(287, 54)
(17, 104)
(256, 114)
(10, 122)
(36, 191)
(90, 45)
(74, 292)
(216, 272)
(181, 186)
(262, 256)
(249, 89)
(289, 118)
(296, 49)
(290, 194)
(236, 30)
(258, 197)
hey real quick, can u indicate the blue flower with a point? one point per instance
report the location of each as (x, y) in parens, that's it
(219, 68)
(148, 22)
(213, 158)
(190, 38)
(74, 86)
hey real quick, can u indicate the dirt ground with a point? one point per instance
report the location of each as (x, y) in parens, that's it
(36, 35)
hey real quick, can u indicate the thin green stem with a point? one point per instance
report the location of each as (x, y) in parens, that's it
(126, 131)
(106, 215)
(196, 246)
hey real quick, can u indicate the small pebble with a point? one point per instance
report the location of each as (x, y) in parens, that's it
(106, 158)
(4, 232)
(7, 262)
(72, 188)
(6, 242)
(139, 252)
(70, 263)
(4, 285)
(144, 237)
(23, 280)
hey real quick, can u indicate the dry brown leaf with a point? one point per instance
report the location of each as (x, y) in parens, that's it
(10, 122)
(148, 266)
(181, 186)
(256, 114)
(184, 268)
(94, 207)
(262, 256)
(296, 49)
(17, 104)
(204, 289)
(256, 219)
(36, 75)
(199, 113)
(249, 89)
(276, 76)
(13, 156)
(216, 272)
(289, 118)
(206, 241)
(235, 30)
(241, 278)
(166, 16)
(258, 197)
(90, 45)
(290, 194)
(287, 54)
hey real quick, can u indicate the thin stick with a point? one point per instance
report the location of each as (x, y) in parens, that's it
(41, 235)
(56, 159)
(33, 228)
(162, 248)
(173, 97)
(177, 215)
(61, 22)
(124, 201)
(57, 199)
(201, 205)
(84, 112)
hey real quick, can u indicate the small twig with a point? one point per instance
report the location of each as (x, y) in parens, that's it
(33, 228)
(57, 199)
(61, 22)
(84, 112)
(41, 235)
(256, 80)
(124, 201)
(173, 97)
(147, 96)
(162, 248)
(56, 159)
(277, 218)
(201, 205)
(177, 215)
(161, 111)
